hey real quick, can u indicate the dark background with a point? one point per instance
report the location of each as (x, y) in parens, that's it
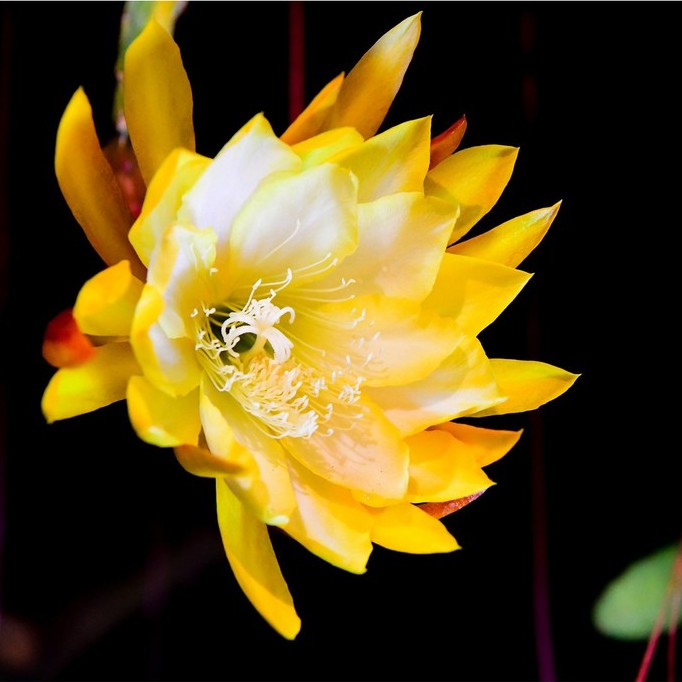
(112, 567)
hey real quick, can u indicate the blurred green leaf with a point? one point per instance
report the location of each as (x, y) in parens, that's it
(630, 605)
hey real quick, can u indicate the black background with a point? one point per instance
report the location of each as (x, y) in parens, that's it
(112, 567)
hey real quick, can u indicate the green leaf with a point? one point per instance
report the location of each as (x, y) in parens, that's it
(630, 605)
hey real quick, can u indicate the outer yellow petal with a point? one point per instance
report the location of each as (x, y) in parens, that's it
(106, 304)
(162, 419)
(394, 161)
(176, 175)
(443, 468)
(94, 384)
(372, 84)
(463, 384)
(309, 121)
(157, 98)
(90, 188)
(487, 445)
(473, 179)
(474, 291)
(528, 384)
(253, 561)
(509, 243)
(329, 522)
(406, 528)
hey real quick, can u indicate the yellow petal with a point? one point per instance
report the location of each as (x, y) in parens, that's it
(309, 122)
(170, 363)
(508, 244)
(90, 188)
(106, 304)
(329, 522)
(406, 528)
(443, 468)
(474, 291)
(162, 419)
(487, 445)
(473, 179)
(293, 222)
(401, 343)
(264, 486)
(374, 457)
(463, 384)
(175, 177)
(410, 232)
(528, 384)
(94, 384)
(200, 461)
(180, 271)
(251, 155)
(316, 150)
(253, 561)
(157, 98)
(370, 87)
(393, 161)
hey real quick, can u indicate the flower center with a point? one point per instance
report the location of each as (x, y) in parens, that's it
(247, 351)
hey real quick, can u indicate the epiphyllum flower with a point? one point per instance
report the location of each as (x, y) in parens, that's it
(298, 317)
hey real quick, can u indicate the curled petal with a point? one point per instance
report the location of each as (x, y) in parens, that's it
(90, 187)
(253, 561)
(157, 98)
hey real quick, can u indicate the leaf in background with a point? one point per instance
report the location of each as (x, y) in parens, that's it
(133, 19)
(630, 605)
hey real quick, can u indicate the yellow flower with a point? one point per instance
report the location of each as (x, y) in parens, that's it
(298, 317)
